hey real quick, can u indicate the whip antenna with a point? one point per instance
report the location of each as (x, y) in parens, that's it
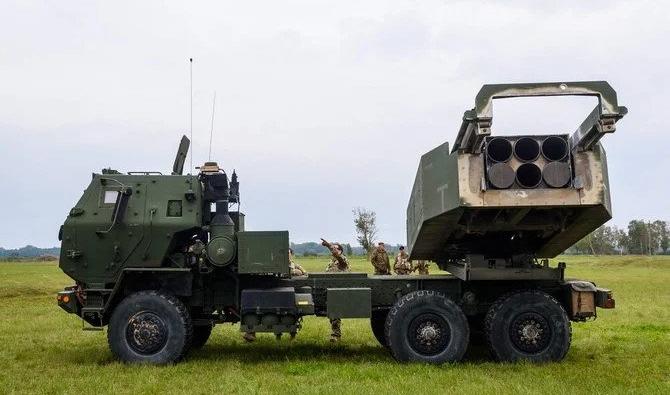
(211, 130)
(190, 170)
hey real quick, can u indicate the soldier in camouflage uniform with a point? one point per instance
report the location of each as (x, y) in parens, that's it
(338, 263)
(402, 264)
(296, 269)
(380, 260)
(421, 266)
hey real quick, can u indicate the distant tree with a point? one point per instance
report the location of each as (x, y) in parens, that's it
(365, 222)
(638, 237)
(647, 237)
(347, 249)
(665, 238)
(601, 241)
(585, 246)
(621, 240)
(660, 231)
(606, 240)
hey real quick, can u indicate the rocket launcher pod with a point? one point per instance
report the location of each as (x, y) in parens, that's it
(505, 197)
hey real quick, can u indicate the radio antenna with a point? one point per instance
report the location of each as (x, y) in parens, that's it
(190, 170)
(211, 130)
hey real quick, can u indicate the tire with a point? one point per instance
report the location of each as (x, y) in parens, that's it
(377, 323)
(528, 325)
(426, 326)
(150, 327)
(201, 334)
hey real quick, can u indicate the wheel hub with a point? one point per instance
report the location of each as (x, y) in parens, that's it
(146, 333)
(428, 334)
(530, 332)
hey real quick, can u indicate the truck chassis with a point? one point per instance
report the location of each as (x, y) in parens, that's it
(417, 318)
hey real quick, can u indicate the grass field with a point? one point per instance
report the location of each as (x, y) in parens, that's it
(44, 350)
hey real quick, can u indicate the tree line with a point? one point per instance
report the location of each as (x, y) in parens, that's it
(639, 238)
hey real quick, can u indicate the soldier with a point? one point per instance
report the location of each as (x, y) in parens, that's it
(380, 260)
(402, 264)
(421, 266)
(338, 263)
(296, 269)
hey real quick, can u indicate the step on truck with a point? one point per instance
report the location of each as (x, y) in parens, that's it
(161, 259)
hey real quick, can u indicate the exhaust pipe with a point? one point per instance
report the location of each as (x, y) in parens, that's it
(501, 175)
(554, 148)
(527, 149)
(499, 149)
(528, 175)
(556, 174)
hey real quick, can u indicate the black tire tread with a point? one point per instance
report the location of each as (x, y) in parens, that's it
(181, 309)
(494, 310)
(398, 306)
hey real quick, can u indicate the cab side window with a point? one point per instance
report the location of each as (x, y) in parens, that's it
(108, 197)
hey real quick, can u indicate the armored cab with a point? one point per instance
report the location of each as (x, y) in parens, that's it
(503, 201)
(164, 231)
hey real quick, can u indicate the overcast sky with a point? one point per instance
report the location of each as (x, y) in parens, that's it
(321, 106)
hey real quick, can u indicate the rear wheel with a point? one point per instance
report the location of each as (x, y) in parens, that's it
(201, 334)
(426, 326)
(377, 322)
(528, 325)
(150, 327)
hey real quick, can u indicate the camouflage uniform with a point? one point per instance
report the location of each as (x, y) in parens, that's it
(421, 267)
(380, 261)
(338, 263)
(402, 264)
(296, 269)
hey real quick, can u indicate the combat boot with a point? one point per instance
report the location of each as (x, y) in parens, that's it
(249, 337)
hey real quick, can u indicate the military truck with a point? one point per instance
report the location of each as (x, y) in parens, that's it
(161, 259)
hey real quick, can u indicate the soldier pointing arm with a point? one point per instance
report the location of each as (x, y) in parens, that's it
(339, 262)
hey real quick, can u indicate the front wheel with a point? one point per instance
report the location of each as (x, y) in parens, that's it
(150, 327)
(528, 325)
(426, 326)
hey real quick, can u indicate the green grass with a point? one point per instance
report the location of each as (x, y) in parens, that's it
(43, 350)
